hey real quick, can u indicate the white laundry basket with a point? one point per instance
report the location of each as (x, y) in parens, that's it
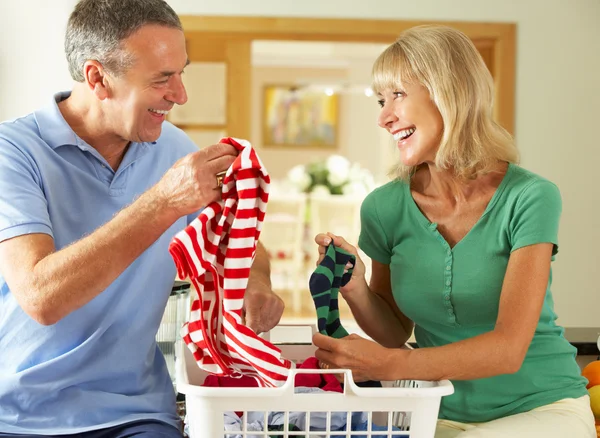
(411, 406)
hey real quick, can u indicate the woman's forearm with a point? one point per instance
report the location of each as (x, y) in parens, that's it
(486, 355)
(376, 318)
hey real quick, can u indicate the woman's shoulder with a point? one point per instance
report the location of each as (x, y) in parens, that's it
(386, 203)
(524, 180)
(386, 193)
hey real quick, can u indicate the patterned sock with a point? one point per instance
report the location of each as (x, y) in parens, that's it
(324, 285)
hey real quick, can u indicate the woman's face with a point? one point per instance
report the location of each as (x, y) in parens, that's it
(414, 120)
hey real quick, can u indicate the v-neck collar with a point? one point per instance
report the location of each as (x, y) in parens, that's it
(432, 226)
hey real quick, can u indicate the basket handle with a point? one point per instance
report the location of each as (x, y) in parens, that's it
(349, 385)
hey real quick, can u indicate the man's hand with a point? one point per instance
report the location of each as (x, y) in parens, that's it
(191, 183)
(262, 308)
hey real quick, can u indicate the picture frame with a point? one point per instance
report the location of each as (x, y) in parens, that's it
(296, 117)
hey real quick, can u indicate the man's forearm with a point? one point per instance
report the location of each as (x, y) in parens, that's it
(260, 272)
(65, 280)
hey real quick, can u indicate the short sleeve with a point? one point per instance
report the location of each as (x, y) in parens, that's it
(536, 217)
(23, 206)
(373, 240)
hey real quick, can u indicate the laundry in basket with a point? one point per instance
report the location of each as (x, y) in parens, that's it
(411, 406)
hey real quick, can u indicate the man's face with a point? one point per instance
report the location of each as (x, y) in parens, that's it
(140, 98)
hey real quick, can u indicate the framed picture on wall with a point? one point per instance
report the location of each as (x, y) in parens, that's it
(297, 116)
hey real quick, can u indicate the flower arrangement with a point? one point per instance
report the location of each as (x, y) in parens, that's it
(336, 175)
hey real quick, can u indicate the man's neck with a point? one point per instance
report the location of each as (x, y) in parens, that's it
(91, 125)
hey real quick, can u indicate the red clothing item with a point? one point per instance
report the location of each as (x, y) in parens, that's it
(230, 382)
(327, 382)
(216, 252)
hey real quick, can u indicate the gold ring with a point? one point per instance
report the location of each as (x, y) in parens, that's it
(220, 177)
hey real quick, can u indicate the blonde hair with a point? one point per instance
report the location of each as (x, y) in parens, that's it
(446, 62)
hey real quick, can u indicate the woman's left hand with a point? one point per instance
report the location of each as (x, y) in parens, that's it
(367, 359)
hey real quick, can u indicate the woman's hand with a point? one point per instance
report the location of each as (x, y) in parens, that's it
(358, 274)
(367, 359)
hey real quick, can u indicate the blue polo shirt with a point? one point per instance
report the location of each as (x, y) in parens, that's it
(100, 365)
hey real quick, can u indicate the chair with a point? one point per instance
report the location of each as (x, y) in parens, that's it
(340, 215)
(282, 235)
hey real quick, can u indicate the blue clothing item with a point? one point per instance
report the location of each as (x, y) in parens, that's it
(99, 366)
(141, 429)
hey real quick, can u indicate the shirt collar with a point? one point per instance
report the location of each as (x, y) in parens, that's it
(54, 129)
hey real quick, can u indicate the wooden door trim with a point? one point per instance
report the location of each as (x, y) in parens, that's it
(216, 32)
(351, 29)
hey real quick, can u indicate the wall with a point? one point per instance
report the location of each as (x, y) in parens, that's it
(32, 61)
(557, 98)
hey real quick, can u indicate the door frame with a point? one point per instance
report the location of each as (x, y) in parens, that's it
(228, 39)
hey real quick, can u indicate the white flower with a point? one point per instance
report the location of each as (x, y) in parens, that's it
(298, 176)
(355, 188)
(320, 190)
(338, 168)
(367, 179)
(281, 188)
(362, 176)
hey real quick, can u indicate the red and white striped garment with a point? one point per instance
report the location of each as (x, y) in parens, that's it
(216, 252)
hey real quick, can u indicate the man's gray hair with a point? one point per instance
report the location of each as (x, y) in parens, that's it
(96, 29)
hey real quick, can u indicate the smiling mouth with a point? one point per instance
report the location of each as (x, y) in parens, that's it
(404, 134)
(159, 112)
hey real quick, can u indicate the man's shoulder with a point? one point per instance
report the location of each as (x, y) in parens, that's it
(15, 129)
(20, 137)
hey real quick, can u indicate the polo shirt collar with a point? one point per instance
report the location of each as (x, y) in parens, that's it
(54, 129)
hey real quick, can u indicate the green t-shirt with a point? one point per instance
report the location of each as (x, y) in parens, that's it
(453, 293)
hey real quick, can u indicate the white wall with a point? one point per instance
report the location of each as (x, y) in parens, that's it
(32, 60)
(558, 91)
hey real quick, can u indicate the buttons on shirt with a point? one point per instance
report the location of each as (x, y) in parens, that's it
(447, 290)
